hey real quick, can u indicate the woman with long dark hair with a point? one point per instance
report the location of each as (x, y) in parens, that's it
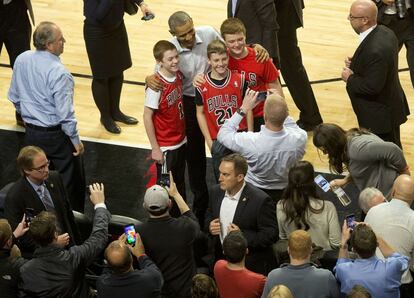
(301, 208)
(370, 161)
(107, 46)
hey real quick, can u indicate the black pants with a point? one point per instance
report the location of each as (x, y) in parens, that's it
(59, 150)
(292, 68)
(175, 161)
(404, 30)
(275, 194)
(218, 151)
(392, 136)
(196, 159)
(107, 96)
(407, 290)
(15, 29)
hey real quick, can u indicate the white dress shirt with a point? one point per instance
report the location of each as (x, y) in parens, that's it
(269, 154)
(194, 61)
(227, 211)
(394, 221)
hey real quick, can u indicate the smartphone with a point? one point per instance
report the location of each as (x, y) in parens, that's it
(261, 96)
(147, 17)
(130, 233)
(165, 180)
(322, 183)
(350, 221)
(29, 213)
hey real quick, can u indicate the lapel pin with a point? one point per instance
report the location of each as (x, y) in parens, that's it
(244, 199)
(51, 185)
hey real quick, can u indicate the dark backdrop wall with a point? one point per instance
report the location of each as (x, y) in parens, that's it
(123, 171)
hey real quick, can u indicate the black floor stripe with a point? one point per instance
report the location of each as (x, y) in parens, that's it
(86, 76)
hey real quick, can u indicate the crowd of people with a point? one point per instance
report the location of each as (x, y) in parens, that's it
(262, 230)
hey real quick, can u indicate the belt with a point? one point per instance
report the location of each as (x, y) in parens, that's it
(42, 128)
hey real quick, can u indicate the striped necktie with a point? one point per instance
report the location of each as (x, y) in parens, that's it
(45, 198)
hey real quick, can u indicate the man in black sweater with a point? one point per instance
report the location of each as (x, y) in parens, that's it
(169, 241)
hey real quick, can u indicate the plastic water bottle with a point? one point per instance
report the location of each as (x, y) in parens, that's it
(342, 196)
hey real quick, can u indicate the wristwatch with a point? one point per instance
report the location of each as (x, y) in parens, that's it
(241, 112)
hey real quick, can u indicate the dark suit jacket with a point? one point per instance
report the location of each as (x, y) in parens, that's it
(375, 91)
(259, 18)
(256, 217)
(22, 196)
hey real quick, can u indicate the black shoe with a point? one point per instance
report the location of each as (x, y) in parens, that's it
(125, 119)
(111, 126)
(306, 126)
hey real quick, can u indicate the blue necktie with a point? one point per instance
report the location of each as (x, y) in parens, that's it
(45, 198)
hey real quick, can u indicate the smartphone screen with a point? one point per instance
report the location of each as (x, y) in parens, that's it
(350, 221)
(322, 183)
(129, 231)
(29, 212)
(261, 96)
(165, 180)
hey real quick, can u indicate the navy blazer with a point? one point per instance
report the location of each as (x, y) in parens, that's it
(22, 196)
(256, 217)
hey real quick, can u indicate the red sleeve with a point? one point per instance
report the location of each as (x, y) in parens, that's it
(270, 72)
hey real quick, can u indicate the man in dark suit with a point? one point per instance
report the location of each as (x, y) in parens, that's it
(262, 19)
(39, 190)
(237, 205)
(371, 75)
(402, 23)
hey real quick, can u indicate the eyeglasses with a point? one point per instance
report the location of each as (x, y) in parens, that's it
(351, 17)
(42, 168)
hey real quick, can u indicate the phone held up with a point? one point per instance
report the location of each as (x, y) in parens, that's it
(29, 215)
(165, 180)
(131, 234)
(261, 96)
(350, 221)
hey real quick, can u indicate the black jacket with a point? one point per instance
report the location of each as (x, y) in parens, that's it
(56, 272)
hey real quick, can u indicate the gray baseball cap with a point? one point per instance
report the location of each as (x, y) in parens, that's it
(156, 198)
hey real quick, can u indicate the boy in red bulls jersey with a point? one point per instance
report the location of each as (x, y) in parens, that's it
(259, 76)
(217, 99)
(164, 117)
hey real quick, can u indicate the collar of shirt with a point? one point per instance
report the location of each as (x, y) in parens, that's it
(399, 203)
(180, 49)
(264, 130)
(364, 34)
(34, 185)
(237, 195)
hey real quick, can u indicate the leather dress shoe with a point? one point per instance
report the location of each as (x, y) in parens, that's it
(306, 126)
(125, 119)
(111, 126)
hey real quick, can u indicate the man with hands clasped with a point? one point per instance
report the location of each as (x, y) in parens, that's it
(238, 205)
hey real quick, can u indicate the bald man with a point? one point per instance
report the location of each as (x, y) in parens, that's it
(371, 75)
(123, 280)
(272, 151)
(394, 221)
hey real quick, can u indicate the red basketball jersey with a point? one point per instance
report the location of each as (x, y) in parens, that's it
(257, 75)
(168, 119)
(221, 102)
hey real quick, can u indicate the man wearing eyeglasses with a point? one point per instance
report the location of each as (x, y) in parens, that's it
(39, 190)
(371, 75)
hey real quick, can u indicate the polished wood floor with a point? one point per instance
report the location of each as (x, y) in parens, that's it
(325, 41)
